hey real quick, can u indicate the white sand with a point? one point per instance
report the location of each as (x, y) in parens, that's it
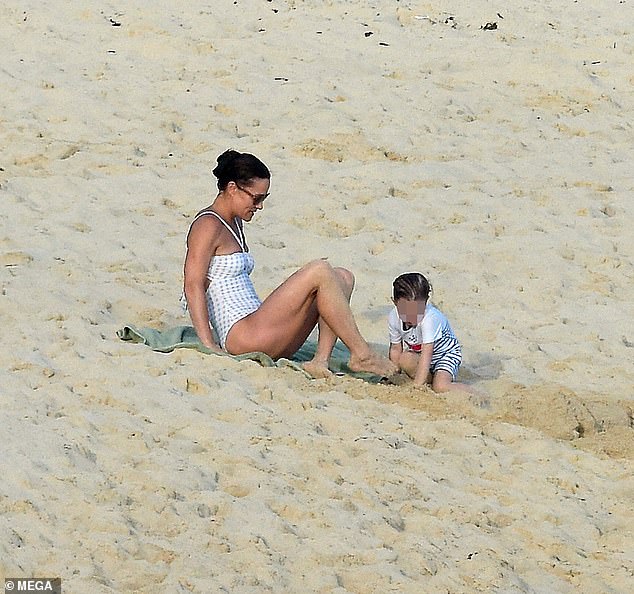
(401, 136)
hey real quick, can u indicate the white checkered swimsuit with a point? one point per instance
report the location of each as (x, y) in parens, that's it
(231, 295)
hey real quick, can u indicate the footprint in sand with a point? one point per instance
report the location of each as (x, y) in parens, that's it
(15, 258)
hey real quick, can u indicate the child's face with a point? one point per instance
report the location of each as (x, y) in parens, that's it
(410, 312)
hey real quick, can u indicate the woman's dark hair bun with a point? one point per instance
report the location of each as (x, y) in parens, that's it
(224, 159)
(239, 167)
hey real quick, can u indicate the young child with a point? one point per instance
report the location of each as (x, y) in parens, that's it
(422, 342)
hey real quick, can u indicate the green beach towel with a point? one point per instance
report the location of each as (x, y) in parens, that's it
(179, 337)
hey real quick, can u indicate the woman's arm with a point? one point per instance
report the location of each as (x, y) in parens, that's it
(201, 246)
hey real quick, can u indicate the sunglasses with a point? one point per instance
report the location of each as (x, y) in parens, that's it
(258, 199)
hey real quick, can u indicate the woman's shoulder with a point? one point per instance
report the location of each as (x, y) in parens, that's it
(205, 226)
(206, 218)
(206, 214)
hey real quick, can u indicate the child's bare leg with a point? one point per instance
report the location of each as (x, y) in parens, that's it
(318, 365)
(408, 362)
(443, 382)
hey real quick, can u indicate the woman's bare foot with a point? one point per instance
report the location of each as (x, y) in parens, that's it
(317, 369)
(373, 363)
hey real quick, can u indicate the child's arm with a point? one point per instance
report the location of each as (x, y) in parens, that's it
(424, 362)
(396, 350)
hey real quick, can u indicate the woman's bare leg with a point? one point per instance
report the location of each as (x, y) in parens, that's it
(318, 365)
(288, 315)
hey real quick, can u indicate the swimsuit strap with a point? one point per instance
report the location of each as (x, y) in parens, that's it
(241, 241)
(240, 227)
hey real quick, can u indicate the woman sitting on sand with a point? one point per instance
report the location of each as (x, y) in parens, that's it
(219, 292)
